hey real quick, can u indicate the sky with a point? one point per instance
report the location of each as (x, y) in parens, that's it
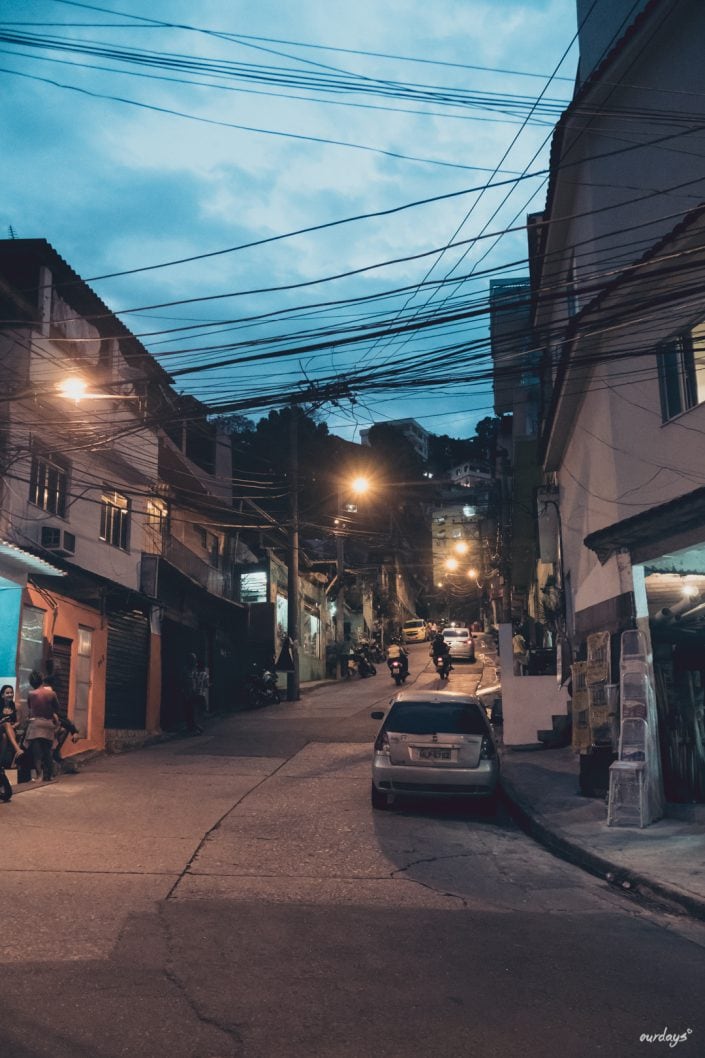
(134, 136)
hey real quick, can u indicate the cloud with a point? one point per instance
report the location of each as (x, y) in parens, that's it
(115, 186)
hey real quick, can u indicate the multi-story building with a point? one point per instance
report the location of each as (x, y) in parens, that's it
(413, 431)
(619, 315)
(93, 484)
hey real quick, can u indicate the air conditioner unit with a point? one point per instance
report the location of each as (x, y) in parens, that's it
(59, 541)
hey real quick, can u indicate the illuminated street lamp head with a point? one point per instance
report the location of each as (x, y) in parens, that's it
(360, 485)
(461, 548)
(451, 564)
(73, 388)
(472, 573)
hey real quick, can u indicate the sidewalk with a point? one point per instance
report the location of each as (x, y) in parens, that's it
(665, 860)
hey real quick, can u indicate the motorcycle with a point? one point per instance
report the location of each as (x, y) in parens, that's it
(261, 687)
(374, 650)
(363, 662)
(397, 671)
(442, 663)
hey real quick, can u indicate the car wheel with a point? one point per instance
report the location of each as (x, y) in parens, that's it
(378, 798)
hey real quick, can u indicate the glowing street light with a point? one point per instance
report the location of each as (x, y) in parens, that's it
(461, 547)
(73, 388)
(451, 564)
(360, 485)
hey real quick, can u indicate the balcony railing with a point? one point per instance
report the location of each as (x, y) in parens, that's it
(217, 581)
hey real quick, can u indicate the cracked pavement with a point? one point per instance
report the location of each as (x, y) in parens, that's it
(235, 895)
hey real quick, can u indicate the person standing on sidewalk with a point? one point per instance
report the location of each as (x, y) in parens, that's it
(9, 745)
(189, 692)
(43, 710)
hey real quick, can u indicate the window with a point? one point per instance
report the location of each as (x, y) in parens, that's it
(571, 290)
(253, 587)
(156, 516)
(47, 485)
(282, 612)
(311, 635)
(421, 718)
(681, 369)
(211, 543)
(114, 519)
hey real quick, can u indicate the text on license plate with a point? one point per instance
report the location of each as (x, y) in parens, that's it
(435, 754)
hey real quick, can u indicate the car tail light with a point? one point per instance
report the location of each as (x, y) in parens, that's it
(382, 743)
(487, 749)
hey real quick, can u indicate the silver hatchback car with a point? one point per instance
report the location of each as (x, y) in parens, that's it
(460, 642)
(435, 743)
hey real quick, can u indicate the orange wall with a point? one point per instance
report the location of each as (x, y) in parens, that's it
(64, 621)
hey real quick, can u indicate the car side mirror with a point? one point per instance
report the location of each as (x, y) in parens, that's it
(377, 715)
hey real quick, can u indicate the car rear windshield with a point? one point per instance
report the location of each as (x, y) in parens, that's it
(414, 624)
(427, 718)
(456, 633)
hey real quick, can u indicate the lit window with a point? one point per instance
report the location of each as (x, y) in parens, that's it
(115, 519)
(156, 516)
(47, 485)
(253, 587)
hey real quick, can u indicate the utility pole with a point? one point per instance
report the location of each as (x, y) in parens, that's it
(340, 570)
(292, 678)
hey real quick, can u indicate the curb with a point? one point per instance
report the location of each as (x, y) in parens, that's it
(627, 881)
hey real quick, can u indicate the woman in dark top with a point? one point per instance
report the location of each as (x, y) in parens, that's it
(9, 747)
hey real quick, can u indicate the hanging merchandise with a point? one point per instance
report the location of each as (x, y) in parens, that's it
(581, 718)
(285, 661)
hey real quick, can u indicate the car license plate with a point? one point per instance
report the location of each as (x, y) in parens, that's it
(435, 754)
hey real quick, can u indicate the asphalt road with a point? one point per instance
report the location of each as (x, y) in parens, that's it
(235, 894)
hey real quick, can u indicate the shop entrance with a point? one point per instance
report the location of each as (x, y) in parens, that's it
(675, 588)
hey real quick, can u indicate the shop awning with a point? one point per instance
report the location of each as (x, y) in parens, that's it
(667, 527)
(22, 561)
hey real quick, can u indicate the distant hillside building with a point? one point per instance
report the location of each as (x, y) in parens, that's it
(415, 435)
(468, 474)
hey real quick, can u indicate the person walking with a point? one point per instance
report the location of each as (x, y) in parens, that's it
(43, 710)
(189, 692)
(203, 683)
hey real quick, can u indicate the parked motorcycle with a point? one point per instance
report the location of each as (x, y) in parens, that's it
(442, 663)
(374, 651)
(261, 687)
(363, 661)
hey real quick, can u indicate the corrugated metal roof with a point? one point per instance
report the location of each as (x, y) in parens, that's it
(28, 562)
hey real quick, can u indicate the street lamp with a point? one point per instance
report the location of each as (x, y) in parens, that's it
(73, 388)
(359, 485)
(461, 548)
(451, 564)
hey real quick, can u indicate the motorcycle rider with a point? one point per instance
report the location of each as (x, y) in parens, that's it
(395, 651)
(440, 649)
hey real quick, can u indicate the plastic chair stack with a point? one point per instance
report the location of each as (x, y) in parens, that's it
(629, 803)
